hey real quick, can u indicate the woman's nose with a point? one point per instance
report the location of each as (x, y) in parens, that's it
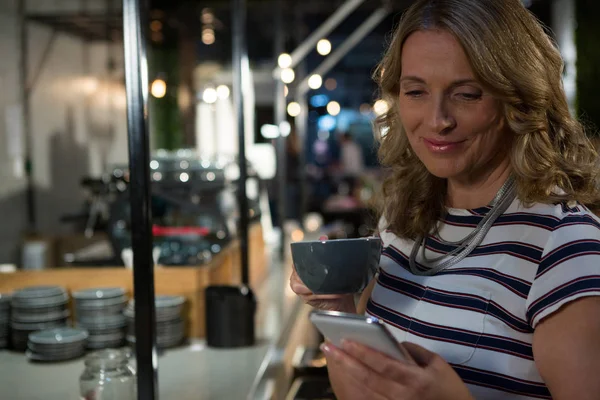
(439, 118)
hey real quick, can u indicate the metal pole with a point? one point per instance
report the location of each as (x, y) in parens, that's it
(279, 119)
(301, 123)
(240, 84)
(329, 25)
(26, 114)
(136, 80)
(359, 34)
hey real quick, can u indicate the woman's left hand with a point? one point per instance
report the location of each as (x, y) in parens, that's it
(358, 372)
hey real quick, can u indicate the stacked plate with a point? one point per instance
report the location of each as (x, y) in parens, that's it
(59, 344)
(4, 319)
(37, 308)
(100, 312)
(170, 329)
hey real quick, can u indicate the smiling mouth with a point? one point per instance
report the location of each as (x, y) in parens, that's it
(442, 146)
(441, 142)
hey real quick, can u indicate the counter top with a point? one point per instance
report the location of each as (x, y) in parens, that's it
(189, 372)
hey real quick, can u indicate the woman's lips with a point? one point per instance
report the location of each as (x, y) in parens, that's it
(438, 146)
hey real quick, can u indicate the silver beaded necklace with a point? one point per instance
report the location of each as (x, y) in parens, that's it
(465, 246)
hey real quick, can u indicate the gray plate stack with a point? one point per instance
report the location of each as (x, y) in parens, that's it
(37, 308)
(4, 319)
(170, 329)
(100, 312)
(58, 344)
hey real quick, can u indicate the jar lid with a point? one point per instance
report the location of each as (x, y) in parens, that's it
(107, 358)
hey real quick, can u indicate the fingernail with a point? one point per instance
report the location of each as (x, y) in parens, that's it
(346, 344)
(330, 352)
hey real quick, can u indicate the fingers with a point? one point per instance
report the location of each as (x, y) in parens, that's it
(380, 363)
(301, 290)
(421, 355)
(297, 286)
(358, 380)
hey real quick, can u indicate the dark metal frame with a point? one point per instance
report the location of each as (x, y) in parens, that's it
(136, 79)
(240, 81)
(279, 118)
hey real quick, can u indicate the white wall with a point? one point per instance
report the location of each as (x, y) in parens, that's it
(68, 142)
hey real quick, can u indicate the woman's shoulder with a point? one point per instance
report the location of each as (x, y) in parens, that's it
(563, 213)
(389, 238)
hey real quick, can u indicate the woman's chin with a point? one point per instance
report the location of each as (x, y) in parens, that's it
(443, 171)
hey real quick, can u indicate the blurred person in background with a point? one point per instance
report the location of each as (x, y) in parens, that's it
(292, 171)
(490, 273)
(352, 161)
(292, 183)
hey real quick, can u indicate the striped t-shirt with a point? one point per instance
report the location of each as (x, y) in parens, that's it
(480, 314)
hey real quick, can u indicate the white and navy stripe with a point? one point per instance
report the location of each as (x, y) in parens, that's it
(481, 313)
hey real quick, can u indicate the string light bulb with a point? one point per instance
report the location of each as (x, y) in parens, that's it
(324, 47)
(158, 88)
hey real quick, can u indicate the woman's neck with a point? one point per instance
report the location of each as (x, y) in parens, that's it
(478, 192)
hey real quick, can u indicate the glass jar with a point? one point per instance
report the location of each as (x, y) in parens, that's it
(108, 376)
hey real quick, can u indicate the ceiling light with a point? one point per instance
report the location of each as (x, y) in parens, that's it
(324, 47)
(223, 92)
(288, 75)
(155, 26)
(330, 84)
(210, 95)
(294, 109)
(207, 16)
(208, 36)
(333, 108)
(284, 61)
(158, 88)
(365, 109)
(315, 81)
(269, 131)
(381, 107)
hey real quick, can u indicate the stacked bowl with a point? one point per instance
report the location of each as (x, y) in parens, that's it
(100, 312)
(37, 308)
(59, 344)
(4, 319)
(170, 328)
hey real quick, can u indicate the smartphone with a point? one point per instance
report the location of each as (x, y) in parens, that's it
(368, 331)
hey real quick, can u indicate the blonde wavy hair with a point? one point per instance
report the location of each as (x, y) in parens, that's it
(518, 63)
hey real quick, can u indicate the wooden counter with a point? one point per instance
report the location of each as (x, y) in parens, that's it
(189, 282)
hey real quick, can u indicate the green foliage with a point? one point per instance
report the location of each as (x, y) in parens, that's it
(588, 63)
(165, 115)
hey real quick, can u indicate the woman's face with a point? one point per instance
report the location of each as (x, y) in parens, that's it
(453, 125)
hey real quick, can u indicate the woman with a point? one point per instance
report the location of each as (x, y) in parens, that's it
(490, 273)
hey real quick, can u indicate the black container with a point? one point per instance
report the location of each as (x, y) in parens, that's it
(311, 389)
(230, 314)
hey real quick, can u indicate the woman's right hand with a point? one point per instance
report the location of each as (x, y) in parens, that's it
(327, 302)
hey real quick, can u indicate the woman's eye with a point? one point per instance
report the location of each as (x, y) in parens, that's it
(469, 96)
(414, 93)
